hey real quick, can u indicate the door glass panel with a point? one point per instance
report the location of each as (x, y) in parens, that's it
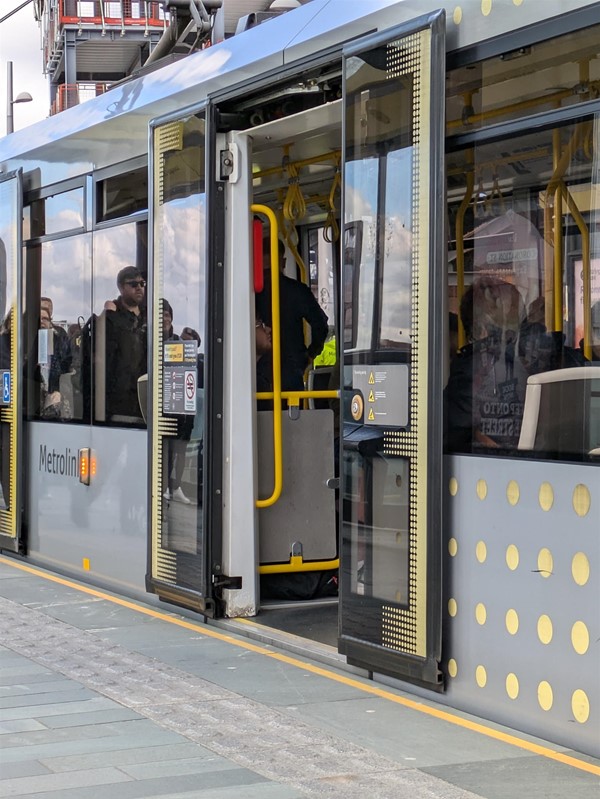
(10, 359)
(178, 350)
(388, 605)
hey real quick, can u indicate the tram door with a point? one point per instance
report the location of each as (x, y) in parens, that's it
(392, 316)
(181, 346)
(10, 360)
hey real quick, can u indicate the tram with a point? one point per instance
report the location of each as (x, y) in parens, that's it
(434, 177)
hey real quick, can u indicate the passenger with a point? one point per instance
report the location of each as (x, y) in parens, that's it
(297, 304)
(177, 447)
(56, 361)
(126, 347)
(486, 388)
(264, 364)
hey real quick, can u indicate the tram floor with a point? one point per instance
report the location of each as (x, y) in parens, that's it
(316, 620)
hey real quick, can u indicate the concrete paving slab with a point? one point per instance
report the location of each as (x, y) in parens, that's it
(29, 768)
(21, 786)
(173, 768)
(137, 729)
(42, 675)
(87, 746)
(278, 684)
(97, 717)
(30, 689)
(125, 757)
(408, 784)
(271, 790)
(237, 780)
(20, 725)
(57, 709)
(75, 693)
(533, 777)
(401, 734)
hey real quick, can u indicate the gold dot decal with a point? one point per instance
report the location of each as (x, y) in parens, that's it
(545, 562)
(580, 705)
(481, 489)
(544, 629)
(517, 2)
(452, 667)
(512, 685)
(546, 496)
(512, 621)
(581, 500)
(486, 7)
(457, 16)
(512, 492)
(512, 557)
(580, 638)
(580, 568)
(545, 695)
(452, 547)
(452, 607)
(480, 613)
(481, 551)
(453, 486)
(481, 676)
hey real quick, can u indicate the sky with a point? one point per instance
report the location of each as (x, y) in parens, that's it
(20, 42)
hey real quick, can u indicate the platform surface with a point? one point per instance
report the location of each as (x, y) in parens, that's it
(102, 696)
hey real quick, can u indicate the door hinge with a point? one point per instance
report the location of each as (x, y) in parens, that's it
(229, 163)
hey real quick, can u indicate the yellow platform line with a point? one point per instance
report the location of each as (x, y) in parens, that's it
(367, 688)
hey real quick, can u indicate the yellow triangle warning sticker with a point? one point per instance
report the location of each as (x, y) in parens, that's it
(371, 396)
(371, 379)
(371, 416)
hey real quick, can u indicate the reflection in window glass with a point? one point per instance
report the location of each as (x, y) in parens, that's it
(63, 212)
(361, 178)
(119, 329)
(122, 194)
(61, 270)
(396, 305)
(525, 284)
(562, 71)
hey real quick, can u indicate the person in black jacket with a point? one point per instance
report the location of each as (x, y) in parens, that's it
(297, 304)
(126, 347)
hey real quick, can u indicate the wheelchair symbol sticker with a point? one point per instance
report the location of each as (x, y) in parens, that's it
(5, 388)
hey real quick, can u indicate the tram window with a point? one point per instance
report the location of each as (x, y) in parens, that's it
(116, 335)
(527, 251)
(122, 195)
(558, 72)
(62, 212)
(58, 288)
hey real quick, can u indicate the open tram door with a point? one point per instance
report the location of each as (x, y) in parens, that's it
(391, 327)
(11, 237)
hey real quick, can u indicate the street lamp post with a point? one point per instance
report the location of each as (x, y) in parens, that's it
(23, 97)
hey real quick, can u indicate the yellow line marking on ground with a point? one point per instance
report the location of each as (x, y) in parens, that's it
(367, 688)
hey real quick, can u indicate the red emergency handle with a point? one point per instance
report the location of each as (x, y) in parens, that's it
(257, 242)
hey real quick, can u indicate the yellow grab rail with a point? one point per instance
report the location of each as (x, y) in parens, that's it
(276, 350)
(297, 564)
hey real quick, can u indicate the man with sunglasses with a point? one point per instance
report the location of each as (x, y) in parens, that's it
(126, 347)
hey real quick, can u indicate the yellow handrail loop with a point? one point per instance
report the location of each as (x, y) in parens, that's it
(276, 356)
